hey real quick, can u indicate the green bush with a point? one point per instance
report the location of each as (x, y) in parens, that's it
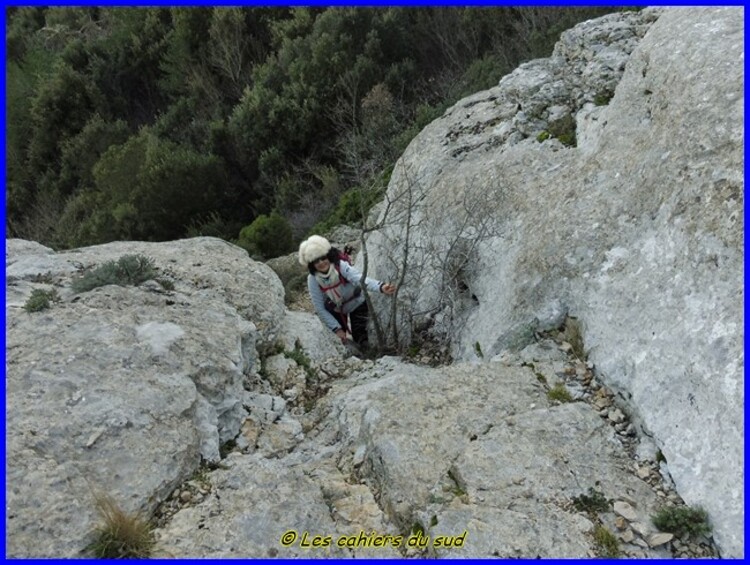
(352, 207)
(564, 130)
(559, 393)
(544, 136)
(40, 300)
(128, 270)
(593, 502)
(680, 520)
(152, 189)
(269, 236)
(606, 543)
(603, 98)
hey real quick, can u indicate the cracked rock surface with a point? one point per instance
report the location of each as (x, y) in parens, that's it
(474, 448)
(233, 422)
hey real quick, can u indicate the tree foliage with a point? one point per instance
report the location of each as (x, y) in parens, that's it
(267, 236)
(147, 122)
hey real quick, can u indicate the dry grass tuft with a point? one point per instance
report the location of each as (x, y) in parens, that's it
(573, 334)
(120, 534)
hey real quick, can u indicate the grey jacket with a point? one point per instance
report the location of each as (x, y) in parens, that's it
(348, 290)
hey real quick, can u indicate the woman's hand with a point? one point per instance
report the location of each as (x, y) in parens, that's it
(388, 288)
(341, 334)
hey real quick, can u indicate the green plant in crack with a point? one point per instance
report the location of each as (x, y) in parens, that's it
(40, 300)
(417, 529)
(564, 130)
(299, 356)
(559, 393)
(591, 503)
(202, 474)
(166, 284)
(605, 542)
(603, 98)
(227, 447)
(573, 334)
(478, 350)
(455, 489)
(127, 270)
(681, 520)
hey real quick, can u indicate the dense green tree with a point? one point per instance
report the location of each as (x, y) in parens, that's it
(21, 27)
(268, 236)
(81, 152)
(152, 189)
(153, 123)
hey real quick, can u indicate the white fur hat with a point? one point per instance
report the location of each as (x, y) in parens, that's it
(313, 247)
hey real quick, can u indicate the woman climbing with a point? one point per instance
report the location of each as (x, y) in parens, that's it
(335, 291)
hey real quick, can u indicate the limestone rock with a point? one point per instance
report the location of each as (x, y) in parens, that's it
(661, 538)
(625, 510)
(637, 232)
(252, 505)
(122, 390)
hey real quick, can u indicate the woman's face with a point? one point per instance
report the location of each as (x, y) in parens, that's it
(322, 264)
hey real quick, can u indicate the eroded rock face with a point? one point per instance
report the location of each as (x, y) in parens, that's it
(474, 448)
(636, 231)
(122, 390)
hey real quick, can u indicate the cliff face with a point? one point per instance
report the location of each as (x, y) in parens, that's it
(605, 183)
(636, 231)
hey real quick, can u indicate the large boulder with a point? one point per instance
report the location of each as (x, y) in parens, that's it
(604, 183)
(121, 391)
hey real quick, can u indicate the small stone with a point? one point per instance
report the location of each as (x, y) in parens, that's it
(565, 346)
(625, 510)
(359, 456)
(660, 539)
(186, 496)
(616, 416)
(640, 542)
(627, 536)
(602, 403)
(621, 523)
(176, 493)
(640, 528)
(661, 493)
